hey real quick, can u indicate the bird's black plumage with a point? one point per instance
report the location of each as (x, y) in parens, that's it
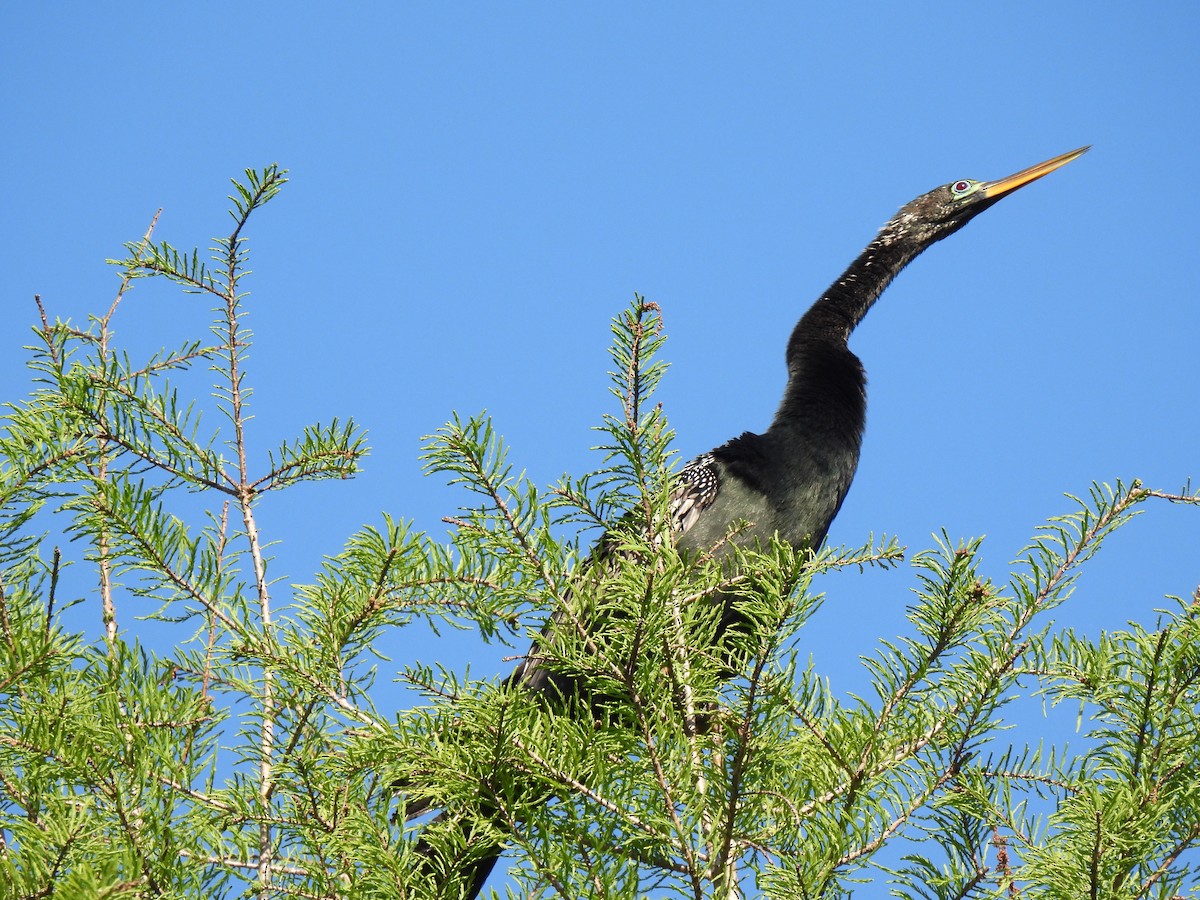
(790, 480)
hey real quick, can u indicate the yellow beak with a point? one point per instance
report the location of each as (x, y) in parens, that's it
(1025, 176)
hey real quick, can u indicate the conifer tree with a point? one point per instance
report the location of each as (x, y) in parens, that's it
(245, 756)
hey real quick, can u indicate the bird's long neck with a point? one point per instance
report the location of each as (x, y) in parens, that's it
(847, 301)
(819, 362)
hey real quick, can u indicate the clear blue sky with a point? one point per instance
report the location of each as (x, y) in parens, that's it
(477, 189)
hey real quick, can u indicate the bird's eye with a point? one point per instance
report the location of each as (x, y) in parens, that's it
(960, 188)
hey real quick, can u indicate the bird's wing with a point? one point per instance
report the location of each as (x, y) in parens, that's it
(694, 492)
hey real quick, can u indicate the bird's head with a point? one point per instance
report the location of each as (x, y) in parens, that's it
(948, 208)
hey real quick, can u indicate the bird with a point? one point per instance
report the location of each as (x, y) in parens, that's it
(790, 481)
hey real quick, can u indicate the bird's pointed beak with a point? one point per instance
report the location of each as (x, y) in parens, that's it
(997, 189)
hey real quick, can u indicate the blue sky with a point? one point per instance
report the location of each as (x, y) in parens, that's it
(476, 190)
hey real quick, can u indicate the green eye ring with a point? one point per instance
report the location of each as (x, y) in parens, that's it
(964, 187)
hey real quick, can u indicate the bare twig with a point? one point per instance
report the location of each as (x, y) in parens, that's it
(108, 610)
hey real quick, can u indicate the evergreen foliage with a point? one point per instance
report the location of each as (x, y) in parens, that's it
(248, 759)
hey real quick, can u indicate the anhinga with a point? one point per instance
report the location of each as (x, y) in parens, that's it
(790, 480)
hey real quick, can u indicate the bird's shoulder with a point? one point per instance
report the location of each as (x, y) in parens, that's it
(699, 482)
(694, 491)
